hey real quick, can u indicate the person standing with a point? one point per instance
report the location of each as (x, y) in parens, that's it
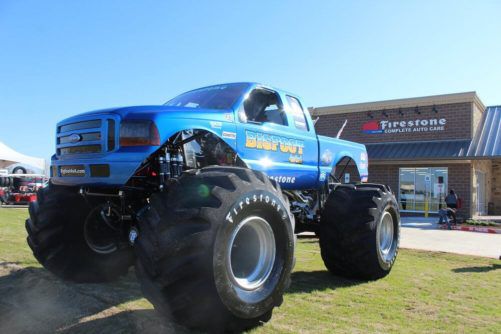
(451, 200)
(403, 201)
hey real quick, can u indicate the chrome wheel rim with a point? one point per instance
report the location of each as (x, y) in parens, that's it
(386, 235)
(251, 250)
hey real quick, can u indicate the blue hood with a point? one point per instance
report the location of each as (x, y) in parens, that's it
(153, 111)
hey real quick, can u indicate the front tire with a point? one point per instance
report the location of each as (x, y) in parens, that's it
(215, 252)
(56, 237)
(360, 231)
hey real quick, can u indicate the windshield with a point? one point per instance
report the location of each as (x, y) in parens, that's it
(213, 97)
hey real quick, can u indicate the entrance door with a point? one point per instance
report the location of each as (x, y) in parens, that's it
(480, 193)
(422, 186)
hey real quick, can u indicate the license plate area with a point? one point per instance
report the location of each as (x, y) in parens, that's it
(72, 170)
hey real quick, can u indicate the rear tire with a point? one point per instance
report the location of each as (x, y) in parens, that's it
(360, 231)
(56, 237)
(215, 251)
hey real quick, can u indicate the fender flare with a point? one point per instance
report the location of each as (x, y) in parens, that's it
(230, 143)
(345, 154)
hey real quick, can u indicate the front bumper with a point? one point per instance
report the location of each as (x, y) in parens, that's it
(119, 173)
(110, 170)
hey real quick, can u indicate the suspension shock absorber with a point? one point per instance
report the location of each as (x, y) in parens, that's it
(179, 163)
(164, 169)
(173, 164)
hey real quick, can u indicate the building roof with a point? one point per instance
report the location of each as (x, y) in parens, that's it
(487, 141)
(444, 149)
(471, 97)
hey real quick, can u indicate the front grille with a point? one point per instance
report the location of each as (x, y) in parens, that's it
(87, 136)
(111, 135)
(80, 125)
(84, 137)
(80, 149)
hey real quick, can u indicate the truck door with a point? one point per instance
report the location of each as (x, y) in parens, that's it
(270, 141)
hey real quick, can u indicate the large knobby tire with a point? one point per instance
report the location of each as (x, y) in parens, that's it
(19, 170)
(56, 237)
(216, 250)
(360, 231)
(6, 181)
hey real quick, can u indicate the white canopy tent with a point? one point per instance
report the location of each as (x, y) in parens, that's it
(8, 157)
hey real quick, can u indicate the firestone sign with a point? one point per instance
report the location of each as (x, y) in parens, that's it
(417, 125)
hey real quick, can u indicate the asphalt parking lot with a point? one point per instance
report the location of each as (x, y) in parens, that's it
(423, 233)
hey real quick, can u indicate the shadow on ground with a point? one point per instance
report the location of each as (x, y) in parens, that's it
(318, 281)
(482, 269)
(33, 301)
(134, 321)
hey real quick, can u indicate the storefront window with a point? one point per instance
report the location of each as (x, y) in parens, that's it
(422, 188)
(406, 193)
(439, 188)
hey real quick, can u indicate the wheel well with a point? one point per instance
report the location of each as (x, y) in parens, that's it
(203, 148)
(184, 150)
(346, 165)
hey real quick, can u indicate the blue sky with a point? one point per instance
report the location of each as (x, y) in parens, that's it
(59, 58)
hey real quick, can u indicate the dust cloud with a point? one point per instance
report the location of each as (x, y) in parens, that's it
(34, 301)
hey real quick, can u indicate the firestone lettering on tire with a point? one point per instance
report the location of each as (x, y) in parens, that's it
(254, 198)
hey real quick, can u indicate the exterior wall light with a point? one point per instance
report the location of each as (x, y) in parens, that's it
(369, 114)
(434, 109)
(400, 112)
(416, 110)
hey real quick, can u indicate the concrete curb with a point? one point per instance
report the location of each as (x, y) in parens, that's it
(474, 229)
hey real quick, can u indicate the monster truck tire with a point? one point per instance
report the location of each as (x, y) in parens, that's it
(19, 169)
(215, 251)
(6, 181)
(360, 231)
(56, 237)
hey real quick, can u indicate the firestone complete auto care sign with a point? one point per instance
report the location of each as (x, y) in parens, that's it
(416, 125)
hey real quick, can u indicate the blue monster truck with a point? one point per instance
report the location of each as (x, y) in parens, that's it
(204, 194)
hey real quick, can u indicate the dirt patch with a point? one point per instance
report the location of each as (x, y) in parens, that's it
(34, 301)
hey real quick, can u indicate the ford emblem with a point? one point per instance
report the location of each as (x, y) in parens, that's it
(75, 138)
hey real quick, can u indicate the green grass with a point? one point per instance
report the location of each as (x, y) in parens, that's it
(13, 247)
(425, 292)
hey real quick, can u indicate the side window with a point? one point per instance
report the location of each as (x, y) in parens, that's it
(297, 113)
(263, 106)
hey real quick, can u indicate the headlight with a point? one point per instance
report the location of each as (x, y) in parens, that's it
(139, 133)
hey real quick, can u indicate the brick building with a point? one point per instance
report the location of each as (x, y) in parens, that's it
(424, 146)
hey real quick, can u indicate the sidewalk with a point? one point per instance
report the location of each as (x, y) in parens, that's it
(423, 233)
